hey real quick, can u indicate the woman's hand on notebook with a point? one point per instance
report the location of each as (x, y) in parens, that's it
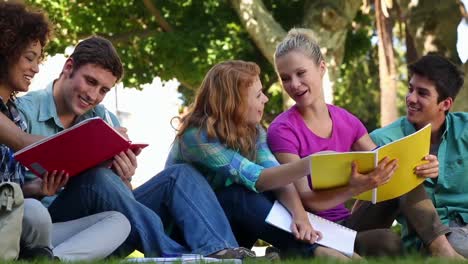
(53, 181)
(303, 230)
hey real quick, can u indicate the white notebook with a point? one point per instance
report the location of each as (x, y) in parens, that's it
(334, 235)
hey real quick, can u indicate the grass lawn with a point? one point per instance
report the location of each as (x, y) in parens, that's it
(402, 260)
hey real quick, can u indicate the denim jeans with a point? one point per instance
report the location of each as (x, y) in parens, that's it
(182, 195)
(178, 193)
(247, 211)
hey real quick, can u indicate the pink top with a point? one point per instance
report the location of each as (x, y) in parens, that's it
(288, 133)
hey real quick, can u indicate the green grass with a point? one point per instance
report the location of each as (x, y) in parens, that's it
(402, 260)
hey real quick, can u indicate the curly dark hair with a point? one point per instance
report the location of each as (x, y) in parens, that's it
(19, 26)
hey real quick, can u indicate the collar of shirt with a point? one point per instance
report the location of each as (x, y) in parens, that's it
(458, 127)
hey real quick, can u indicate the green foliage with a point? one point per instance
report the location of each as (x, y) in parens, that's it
(288, 13)
(204, 33)
(275, 103)
(357, 88)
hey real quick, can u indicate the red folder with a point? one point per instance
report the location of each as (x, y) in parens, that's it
(76, 149)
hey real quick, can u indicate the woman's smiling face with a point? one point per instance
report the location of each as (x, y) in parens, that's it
(301, 77)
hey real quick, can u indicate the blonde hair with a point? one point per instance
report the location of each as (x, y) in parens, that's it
(300, 39)
(220, 106)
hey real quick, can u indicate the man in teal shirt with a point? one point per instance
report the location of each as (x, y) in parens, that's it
(434, 84)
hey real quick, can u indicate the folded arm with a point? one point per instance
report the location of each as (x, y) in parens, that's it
(13, 136)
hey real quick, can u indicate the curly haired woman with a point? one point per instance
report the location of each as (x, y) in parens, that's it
(23, 36)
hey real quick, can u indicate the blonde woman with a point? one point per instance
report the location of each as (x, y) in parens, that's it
(311, 126)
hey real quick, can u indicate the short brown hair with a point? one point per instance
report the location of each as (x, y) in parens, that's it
(98, 51)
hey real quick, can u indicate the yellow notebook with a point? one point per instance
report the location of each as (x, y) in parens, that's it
(329, 170)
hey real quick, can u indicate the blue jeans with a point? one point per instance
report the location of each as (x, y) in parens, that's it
(178, 193)
(247, 211)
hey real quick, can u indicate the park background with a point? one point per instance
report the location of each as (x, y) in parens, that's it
(168, 45)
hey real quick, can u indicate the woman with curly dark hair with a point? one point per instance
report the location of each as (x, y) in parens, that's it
(23, 35)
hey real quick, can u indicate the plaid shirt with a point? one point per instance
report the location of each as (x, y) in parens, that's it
(11, 170)
(221, 165)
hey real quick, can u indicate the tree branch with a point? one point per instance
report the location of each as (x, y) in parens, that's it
(157, 15)
(260, 24)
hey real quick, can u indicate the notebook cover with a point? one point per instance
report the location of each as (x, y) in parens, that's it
(74, 150)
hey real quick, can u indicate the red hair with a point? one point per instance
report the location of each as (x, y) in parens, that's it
(220, 106)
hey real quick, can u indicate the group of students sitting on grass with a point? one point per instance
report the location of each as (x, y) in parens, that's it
(225, 170)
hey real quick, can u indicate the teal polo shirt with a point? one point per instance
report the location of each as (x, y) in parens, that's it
(39, 111)
(449, 192)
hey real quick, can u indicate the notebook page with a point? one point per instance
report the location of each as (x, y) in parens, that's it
(334, 235)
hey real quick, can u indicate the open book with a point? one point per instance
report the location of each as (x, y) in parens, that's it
(76, 149)
(334, 235)
(329, 170)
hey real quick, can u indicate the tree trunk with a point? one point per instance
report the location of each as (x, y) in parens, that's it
(435, 29)
(328, 19)
(461, 102)
(387, 67)
(260, 24)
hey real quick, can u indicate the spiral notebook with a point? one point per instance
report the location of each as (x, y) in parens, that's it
(334, 235)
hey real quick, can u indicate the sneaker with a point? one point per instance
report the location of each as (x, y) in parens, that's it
(233, 253)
